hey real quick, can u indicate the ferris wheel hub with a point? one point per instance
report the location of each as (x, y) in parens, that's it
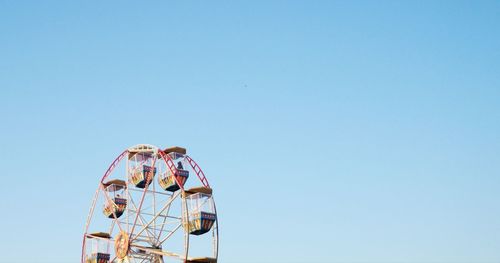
(122, 245)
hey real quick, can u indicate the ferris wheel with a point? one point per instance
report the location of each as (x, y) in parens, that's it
(148, 213)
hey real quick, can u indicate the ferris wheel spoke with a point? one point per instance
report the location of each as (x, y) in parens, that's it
(137, 212)
(128, 259)
(112, 227)
(167, 205)
(143, 260)
(142, 200)
(164, 220)
(154, 202)
(142, 220)
(170, 234)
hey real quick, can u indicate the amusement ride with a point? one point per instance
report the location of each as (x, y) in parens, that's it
(152, 205)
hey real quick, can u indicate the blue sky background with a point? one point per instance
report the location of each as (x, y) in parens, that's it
(331, 131)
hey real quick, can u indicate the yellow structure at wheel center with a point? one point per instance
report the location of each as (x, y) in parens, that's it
(122, 245)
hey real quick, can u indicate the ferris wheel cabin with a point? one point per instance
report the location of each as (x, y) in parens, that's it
(115, 205)
(143, 176)
(169, 179)
(142, 165)
(201, 210)
(97, 252)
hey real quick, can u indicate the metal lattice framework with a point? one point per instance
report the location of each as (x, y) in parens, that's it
(147, 209)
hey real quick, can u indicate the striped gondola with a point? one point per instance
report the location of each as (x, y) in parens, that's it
(115, 207)
(143, 176)
(200, 223)
(167, 180)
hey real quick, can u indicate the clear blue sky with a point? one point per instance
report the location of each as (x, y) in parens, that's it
(331, 131)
